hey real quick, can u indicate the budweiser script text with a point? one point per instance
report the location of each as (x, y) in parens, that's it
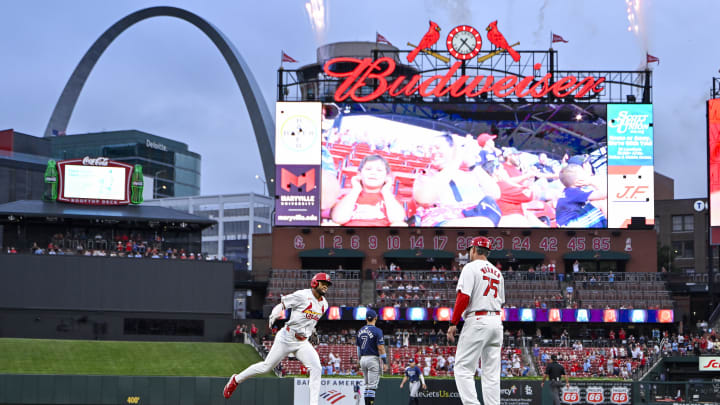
(379, 70)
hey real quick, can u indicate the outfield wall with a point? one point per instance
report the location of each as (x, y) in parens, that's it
(77, 297)
(116, 390)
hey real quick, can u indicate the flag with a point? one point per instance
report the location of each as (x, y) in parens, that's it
(651, 59)
(379, 38)
(56, 132)
(287, 58)
(558, 38)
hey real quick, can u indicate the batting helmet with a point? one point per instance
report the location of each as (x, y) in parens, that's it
(480, 241)
(320, 277)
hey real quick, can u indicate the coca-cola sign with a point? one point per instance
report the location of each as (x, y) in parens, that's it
(375, 74)
(709, 363)
(99, 161)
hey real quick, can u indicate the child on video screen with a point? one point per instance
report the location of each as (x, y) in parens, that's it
(574, 209)
(370, 201)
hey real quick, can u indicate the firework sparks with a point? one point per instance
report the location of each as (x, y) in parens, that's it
(633, 15)
(317, 13)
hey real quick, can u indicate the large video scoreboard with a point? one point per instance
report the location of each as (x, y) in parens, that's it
(558, 165)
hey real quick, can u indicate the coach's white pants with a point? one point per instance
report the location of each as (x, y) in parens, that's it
(481, 338)
(284, 344)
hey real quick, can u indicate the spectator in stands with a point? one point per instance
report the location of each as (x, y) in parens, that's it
(335, 360)
(516, 365)
(238, 334)
(586, 365)
(328, 369)
(253, 331)
(441, 363)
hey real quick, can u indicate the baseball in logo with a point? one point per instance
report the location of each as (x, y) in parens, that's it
(594, 395)
(571, 395)
(620, 395)
(332, 396)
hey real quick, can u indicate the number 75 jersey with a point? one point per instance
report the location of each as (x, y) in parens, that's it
(485, 285)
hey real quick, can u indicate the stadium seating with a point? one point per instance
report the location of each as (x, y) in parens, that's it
(345, 291)
(348, 356)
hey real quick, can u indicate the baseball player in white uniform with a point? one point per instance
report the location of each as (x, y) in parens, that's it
(307, 306)
(480, 297)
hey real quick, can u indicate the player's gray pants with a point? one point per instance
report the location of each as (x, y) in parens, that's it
(414, 388)
(370, 366)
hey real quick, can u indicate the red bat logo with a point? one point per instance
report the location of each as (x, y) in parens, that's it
(306, 179)
(428, 40)
(496, 38)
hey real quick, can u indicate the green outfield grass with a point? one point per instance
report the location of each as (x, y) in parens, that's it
(40, 356)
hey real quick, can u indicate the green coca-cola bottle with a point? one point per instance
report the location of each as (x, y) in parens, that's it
(136, 185)
(50, 191)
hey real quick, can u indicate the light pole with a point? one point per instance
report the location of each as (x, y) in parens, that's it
(155, 184)
(265, 185)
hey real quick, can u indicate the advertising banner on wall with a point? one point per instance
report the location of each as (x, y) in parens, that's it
(297, 195)
(630, 164)
(713, 114)
(596, 392)
(511, 392)
(297, 133)
(709, 363)
(333, 391)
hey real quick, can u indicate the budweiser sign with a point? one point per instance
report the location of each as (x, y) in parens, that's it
(375, 76)
(709, 363)
(101, 161)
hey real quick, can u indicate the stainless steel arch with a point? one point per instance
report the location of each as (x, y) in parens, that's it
(260, 117)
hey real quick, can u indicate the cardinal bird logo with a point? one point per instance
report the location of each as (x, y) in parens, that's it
(496, 38)
(428, 40)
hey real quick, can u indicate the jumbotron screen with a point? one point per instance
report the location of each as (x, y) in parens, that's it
(713, 115)
(94, 181)
(484, 165)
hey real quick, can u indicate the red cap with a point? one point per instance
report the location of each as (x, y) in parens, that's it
(480, 241)
(483, 138)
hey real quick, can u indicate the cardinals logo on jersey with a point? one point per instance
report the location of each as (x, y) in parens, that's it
(310, 314)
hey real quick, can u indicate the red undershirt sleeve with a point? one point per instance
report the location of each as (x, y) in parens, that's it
(461, 303)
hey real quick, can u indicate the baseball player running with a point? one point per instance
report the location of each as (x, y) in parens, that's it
(371, 350)
(415, 375)
(480, 296)
(308, 306)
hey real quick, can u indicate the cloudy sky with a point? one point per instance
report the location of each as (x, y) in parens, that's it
(163, 76)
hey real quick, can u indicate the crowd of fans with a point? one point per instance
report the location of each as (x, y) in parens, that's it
(137, 244)
(134, 251)
(619, 354)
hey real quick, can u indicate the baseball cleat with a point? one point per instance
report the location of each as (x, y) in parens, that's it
(230, 387)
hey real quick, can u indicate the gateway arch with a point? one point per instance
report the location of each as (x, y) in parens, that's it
(260, 117)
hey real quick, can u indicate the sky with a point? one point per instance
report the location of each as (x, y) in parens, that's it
(165, 77)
